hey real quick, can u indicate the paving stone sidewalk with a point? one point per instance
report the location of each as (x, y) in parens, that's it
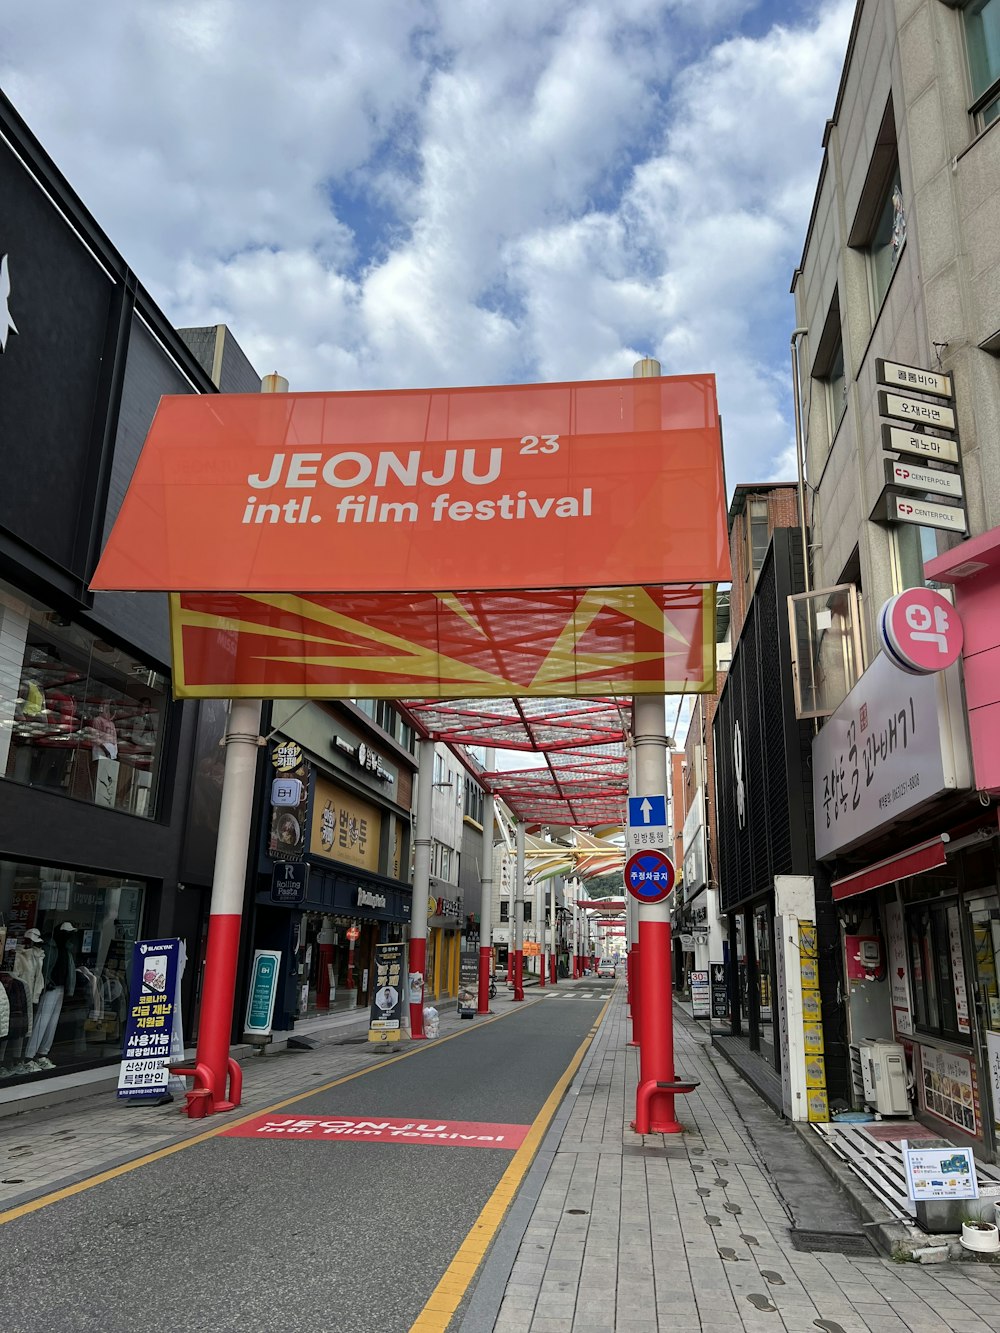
(44, 1150)
(691, 1233)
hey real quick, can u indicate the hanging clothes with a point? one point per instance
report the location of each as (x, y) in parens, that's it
(19, 1025)
(29, 967)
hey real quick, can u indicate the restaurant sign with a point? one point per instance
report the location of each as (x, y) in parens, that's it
(893, 745)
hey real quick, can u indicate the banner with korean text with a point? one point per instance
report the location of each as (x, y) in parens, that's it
(153, 1030)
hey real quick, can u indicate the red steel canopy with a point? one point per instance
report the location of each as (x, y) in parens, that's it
(584, 780)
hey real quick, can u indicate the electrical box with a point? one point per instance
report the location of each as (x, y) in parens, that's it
(883, 1073)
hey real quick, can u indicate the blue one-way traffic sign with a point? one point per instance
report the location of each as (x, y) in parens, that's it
(647, 823)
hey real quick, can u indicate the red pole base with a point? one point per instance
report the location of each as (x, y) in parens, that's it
(418, 958)
(518, 975)
(485, 967)
(543, 967)
(654, 1111)
(654, 1106)
(552, 969)
(212, 1063)
(634, 992)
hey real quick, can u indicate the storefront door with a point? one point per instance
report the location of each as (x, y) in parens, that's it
(984, 925)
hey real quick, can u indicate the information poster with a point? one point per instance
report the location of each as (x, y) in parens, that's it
(899, 988)
(948, 1087)
(993, 1056)
(958, 971)
(940, 1173)
(720, 990)
(701, 995)
(387, 1000)
(153, 1031)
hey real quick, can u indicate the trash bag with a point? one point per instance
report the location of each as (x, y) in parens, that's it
(432, 1022)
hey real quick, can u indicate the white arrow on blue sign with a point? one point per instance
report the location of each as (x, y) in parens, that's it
(644, 811)
(647, 823)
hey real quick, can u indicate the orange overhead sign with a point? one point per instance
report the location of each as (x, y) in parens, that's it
(590, 484)
(562, 643)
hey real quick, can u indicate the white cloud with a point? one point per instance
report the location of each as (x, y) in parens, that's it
(454, 190)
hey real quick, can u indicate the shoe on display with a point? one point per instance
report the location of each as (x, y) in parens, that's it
(44, 1062)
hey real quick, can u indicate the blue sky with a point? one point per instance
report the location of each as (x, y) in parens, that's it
(455, 191)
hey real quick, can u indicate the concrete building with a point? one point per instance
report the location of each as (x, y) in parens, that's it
(897, 300)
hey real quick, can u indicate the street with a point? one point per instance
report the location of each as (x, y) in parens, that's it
(273, 1232)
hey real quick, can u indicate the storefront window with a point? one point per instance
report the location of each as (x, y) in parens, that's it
(764, 950)
(77, 715)
(66, 941)
(940, 994)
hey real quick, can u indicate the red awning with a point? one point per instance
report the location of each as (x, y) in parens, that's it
(925, 856)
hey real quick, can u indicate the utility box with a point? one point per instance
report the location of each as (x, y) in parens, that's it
(883, 1073)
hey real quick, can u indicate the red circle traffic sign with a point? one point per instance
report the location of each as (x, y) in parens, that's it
(649, 876)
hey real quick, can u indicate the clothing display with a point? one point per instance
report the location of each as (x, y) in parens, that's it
(29, 967)
(46, 1021)
(15, 997)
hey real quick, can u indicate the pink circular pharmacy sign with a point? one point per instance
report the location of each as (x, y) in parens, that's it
(920, 631)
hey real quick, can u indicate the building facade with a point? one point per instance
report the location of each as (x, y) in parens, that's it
(897, 301)
(95, 759)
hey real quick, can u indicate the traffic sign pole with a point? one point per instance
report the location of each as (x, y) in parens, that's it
(519, 914)
(421, 886)
(486, 895)
(654, 1105)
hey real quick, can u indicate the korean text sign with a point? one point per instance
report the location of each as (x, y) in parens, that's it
(892, 745)
(599, 484)
(152, 1031)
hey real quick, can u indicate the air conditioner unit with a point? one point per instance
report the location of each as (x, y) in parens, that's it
(883, 1072)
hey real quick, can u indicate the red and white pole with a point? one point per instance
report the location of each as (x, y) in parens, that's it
(421, 886)
(519, 913)
(486, 895)
(539, 910)
(654, 1106)
(213, 1066)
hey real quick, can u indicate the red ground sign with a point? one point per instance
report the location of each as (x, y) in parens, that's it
(379, 1129)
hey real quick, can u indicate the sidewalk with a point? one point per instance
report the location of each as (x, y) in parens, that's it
(731, 1226)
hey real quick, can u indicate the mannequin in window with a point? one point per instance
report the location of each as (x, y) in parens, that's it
(143, 733)
(60, 984)
(104, 733)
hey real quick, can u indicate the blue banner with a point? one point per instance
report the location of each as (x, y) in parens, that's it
(153, 1029)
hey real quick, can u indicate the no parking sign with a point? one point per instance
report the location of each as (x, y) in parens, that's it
(649, 876)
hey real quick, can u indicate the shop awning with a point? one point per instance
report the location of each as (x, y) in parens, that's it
(925, 856)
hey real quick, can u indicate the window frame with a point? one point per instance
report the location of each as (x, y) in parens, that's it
(988, 97)
(938, 987)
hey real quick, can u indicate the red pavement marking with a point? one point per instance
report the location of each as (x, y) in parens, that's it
(895, 1133)
(344, 1129)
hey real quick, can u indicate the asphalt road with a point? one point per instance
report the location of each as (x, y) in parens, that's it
(251, 1234)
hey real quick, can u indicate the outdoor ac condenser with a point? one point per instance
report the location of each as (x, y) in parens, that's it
(883, 1069)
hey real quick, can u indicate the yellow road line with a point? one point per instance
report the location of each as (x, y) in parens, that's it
(33, 1206)
(446, 1297)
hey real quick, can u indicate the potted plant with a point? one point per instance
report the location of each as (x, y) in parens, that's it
(980, 1236)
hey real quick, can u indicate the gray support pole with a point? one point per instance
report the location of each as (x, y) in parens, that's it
(486, 895)
(421, 886)
(519, 913)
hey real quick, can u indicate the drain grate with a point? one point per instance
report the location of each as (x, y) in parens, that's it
(833, 1242)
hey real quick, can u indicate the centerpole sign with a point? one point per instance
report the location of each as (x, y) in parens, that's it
(649, 876)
